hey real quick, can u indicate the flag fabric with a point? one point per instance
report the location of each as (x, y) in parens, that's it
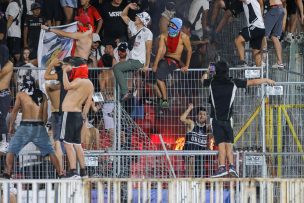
(53, 46)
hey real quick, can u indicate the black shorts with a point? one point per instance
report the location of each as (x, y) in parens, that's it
(291, 7)
(222, 131)
(71, 127)
(254, 35)
(166, 66)
(234, 6)
(14, 45)
(52, 10)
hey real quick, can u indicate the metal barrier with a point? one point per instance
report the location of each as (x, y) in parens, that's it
(154, 190)
(282, 165)
(127, 164)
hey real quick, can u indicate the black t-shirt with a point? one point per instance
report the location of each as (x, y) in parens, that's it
(113, 25)
(222, 95)
(3, 29)
(34, 26)
(197, 139)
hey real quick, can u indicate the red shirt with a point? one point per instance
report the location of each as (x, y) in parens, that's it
(93, 14)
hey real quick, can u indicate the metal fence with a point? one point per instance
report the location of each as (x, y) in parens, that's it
(154, 190)
(126, 164)
(264, 120)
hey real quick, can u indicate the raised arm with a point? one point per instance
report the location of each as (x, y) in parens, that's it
(47, 74)
(66, 83)
(72, 35)
(260, 81)
(183, 118)
(124, 13)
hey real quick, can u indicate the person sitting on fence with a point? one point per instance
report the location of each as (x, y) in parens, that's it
(141, 51)
(174, 42)
(80, 92)
(222, 94)
(33, 105)
(196, 139)
(6, 72)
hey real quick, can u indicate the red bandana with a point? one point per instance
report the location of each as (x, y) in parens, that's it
(81, 71)
(172, 43)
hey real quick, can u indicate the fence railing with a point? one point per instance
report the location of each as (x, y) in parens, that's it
(127, 164)
(153, 190)
(270, 121)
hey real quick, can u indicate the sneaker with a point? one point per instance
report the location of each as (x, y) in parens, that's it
(242, 64)
(232, 171)
(6, 176)
(278, 66)
(164, 104)
(83, 173)
(125, 97)
(72, 175)
(220, 172)
(4, 147)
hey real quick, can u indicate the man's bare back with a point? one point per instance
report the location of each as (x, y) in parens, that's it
(275, 2)
(5, 75)
(53, 92)
(30, 110)
(75, 98)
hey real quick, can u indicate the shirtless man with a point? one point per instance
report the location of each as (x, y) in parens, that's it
(80, 92)
(83, 37)
(6, 73)
(33, 105)
(174, 42)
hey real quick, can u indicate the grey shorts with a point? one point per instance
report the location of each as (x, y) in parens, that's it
(56, 125)
(274, 21)
(69, 3)
(31, 132)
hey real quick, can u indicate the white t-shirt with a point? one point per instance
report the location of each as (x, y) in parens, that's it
(253, 13)
(13, 10)
(139, 49)
(194, 9)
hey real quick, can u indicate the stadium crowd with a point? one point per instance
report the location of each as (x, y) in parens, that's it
(126, 36)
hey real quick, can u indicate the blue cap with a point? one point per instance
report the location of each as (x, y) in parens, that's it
(175, 25)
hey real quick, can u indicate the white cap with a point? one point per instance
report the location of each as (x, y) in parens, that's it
(144, 18)
(96, 37)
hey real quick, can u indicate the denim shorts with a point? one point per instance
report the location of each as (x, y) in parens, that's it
(31, 132)
(56, 125)
(69, 3)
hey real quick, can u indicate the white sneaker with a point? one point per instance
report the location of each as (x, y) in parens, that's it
(3, 147)
(278, 66)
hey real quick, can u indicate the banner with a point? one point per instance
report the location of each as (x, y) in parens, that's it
(53, 46)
